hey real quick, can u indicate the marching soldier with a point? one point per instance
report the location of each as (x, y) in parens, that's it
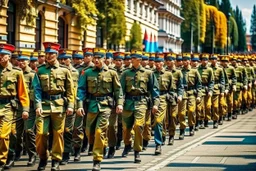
(192, 93)
(65, 59)
(137, 83)
(77, 58)
(13, 87)
(178, 89)
(127, 60)
(109, 58)
(98, 85)
(41, 57)
(33, 61)
(54, 99)
(207, 78)
(144, 62)
(218, 90)
(151, 61)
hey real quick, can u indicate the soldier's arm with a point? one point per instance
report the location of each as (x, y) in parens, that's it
(234, 79)
(198, 84)
(81, 90)
(180, 87)
(154, 88)
(226, 80)
(245, 77)
(37, 92)
(118, 92)
(122, 81)
(222, 81)
(211, 81)
(70, 90)
(23, 93)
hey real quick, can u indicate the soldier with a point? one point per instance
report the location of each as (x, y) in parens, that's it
(14, 59)
(77, 58)
(41, 57)
(33, 61)
(127, 60)
(207, 78)
(178, 89)
(151, 61)
(137, 83)
(192, 93)
(144, 62)
(241, 85)
(65, 59)
(229, 71)
(13, 87)
(109, 58)
(54, 99)
(98, 85)
(165, 80)
(252, 64)
(115, 121)
(218, 90)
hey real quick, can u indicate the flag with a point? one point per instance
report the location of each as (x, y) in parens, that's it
(151, 44)
(155, 44)
(146, 42)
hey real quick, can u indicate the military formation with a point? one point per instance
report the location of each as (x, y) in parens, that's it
(61, 103)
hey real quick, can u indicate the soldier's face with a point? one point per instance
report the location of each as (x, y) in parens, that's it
(185, 62)
(51, 57)
(108, 61)
(179, 63)
(118, 63)
(213, 62)
(151, 63)
(204, 62)
(33, 64)
(14, 61)
(127, 62)
(136, 62)
(144, 63)
(77, 61)
(41, 60)
(4, 58)
(233, 62)
(159, 65)
(87, 59)
(194, 63)
(23, 64)
(98, 61)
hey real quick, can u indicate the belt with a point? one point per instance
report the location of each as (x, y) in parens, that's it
(51, 97)
(163, 92)
(6, 100)
(98, 98)
(136, 98)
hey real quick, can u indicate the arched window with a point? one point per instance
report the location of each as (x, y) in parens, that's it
(62, 33)
(39, 31)
(11, 21)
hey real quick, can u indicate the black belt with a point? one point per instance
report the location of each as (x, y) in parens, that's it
(136, 98)
(6, 100)
(51, 97)
(98, 98)
(163, 92)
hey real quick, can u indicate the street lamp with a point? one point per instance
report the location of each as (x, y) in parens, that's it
(228, 29)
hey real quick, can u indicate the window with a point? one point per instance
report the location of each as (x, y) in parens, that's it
(99, 37)
(39, 31)
(62, 33)
(11, 21)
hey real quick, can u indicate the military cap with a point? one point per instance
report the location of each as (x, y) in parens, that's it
(224, 57)
(65, 54)
(195, 57)
(170, 56)
(33, 56)
(39, 52)
(245, 58)
(159, 57)
(136, 54)
(186, 56)
(119, 55)
(179, 57)
(205, 56)
(145, 56)
(127, 55)
(88, 51)
(152, 57)
(24, 55)
(109, 54)
(51, 47)
(213, 57)
(77, 54)
(6, 49)
(99, 52)
(15, 54)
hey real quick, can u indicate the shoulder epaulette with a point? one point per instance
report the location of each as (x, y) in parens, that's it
(64, 66)
(41, 65)
(17, 68)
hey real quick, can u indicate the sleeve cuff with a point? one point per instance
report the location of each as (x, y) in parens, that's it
(71, 105)
(156, 102)
(26, 109)
(120, 102)
(38, 105)
(79, 104)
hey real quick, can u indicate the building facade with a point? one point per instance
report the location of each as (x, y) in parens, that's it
(169, 33)
(55, 22)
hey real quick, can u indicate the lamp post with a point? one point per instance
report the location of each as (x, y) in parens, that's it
(228, 30)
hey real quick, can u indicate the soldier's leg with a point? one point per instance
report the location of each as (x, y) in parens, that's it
(208, 108)
(230, 105)
(173, 111)
(249, 99)
(5, 130)
(236, 104)
(19, 141)
(112, 133)
(215, 110)
(78, 136)
(128, 122)
(100, 131)
(30, 138)
(158, 124)
(147, 129)
(200, 113)
(91, 120)
(119, 132)
(191, 106)
(244, 100)
(182, 109)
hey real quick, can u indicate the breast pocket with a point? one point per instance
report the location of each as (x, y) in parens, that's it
(92, 81)
(44, 79)
(164, 84)
(11, 85)
(143, 83)
(204, 78)
(129, 81)
(60, 82)
(191, 80)
(107, 84)
(175, 82)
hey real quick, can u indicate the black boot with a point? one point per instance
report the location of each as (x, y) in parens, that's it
(221, 120)
(111, 152)
(234, 116)
(127, 149)
(85, 144)
(90, 149)
(229, 116)
(65, 159)
(191, 131)
(197, 125)
(118, 144)
(9, 163)
(55, 165)
(201, 125)
(158, 150)
(145, 144)
(164, 139)
(31, 161)
(42, 165)
(171, 140)
(1, 166)
(182, 132)
(137, 157)
(77, 156)
(17, 155)
(96, 166)
(215, 124)
(206, 123)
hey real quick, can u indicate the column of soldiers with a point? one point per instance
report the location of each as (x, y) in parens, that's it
(60, 103)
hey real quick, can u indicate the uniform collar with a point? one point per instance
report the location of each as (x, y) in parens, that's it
(56, 65)
(104, 67)
(9, 66)
(139, 69)
(162, 70)
(27, 69)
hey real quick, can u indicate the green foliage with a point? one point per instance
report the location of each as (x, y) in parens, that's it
(136, 36)
(202, 21)
(112, 20)
(241, 47)
(233, 31)
(26, 10)
(253, 28)
(225, 7)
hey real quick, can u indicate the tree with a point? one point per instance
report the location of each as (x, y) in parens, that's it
(233, 32)
(225, 7)
(111, 19)
(241, 47)
(253, 28)
(136, 36)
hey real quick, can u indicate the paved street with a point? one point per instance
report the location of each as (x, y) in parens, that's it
(231, 147)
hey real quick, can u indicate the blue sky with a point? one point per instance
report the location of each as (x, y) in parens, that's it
(246, 7)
